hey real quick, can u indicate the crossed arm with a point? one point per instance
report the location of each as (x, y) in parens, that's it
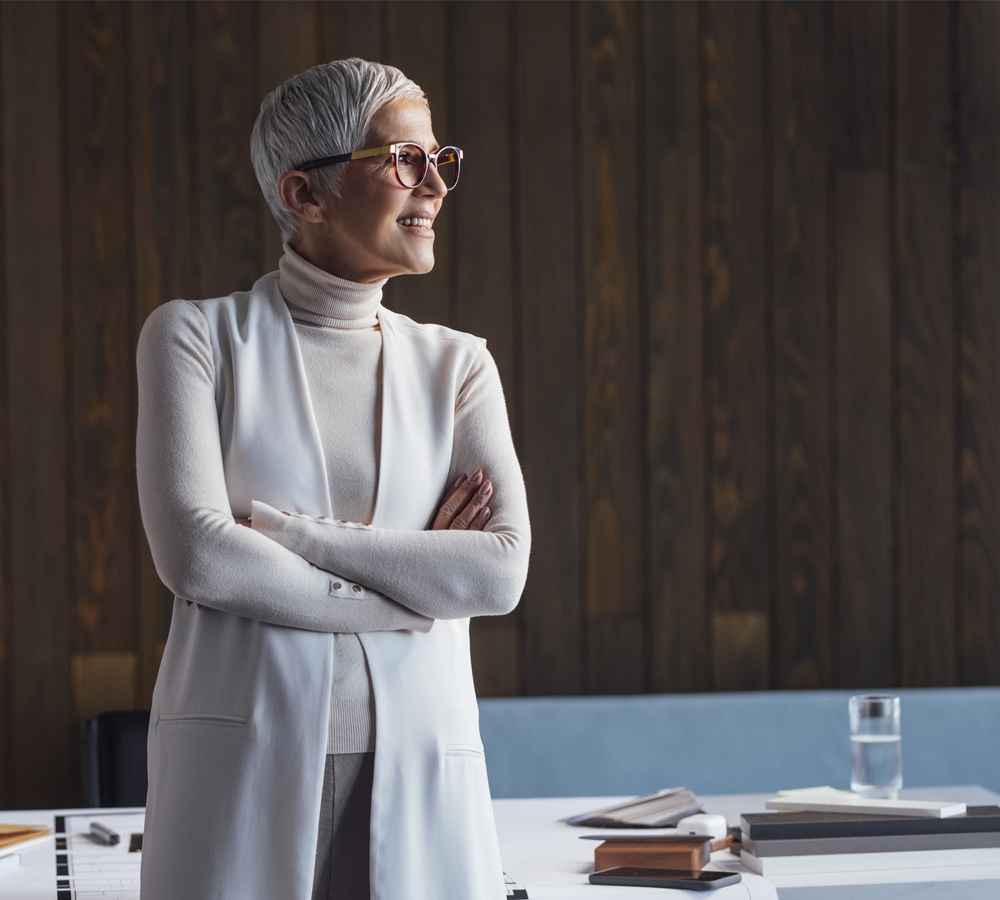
(264, 572)
(473, 561)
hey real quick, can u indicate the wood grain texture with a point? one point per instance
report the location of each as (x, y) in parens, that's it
(612, 400)
(288, 45)
(496, 650)
(861, 82)
(734, 253)
(864, 428)
(226, 192)
(740, 649)
(863, 323)
(739, 265)
(102, 682)
(925, 114)
(804, 611)
(418, 41)
(6, 695)
(481, 206)
(101, 360)
(161, 197)
(979, 281)
(42, 760)
(547, 293)
(926, 498)
(351, 28)
(675, 440)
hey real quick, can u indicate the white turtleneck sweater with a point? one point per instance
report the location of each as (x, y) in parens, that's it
(299, 570)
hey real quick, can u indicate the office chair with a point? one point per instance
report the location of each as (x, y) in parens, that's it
(114, 759)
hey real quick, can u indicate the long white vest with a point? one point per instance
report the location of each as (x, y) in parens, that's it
(240, 710)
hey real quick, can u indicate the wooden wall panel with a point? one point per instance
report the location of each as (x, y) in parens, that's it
(612, 401)
(864, 350)
(481, 208)
(100, 282)
(735, 284)
(6, 696)
(864, 428)
(675, 440)
(161, 193)
(42, 759)
(926, 506)
(979, 280)
(482, 298)
(288, 44)
(548, 297)
(860, 47)
(227, 215)
(737, 263)
(804, 610)
(418, 41)
(351, 28)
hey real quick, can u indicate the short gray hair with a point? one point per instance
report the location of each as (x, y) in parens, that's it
(324, 111)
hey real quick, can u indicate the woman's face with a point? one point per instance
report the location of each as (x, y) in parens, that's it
(360, 236)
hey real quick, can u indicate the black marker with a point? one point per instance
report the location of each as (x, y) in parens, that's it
(103, 834)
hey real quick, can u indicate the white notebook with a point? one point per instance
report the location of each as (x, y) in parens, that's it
(868, 862)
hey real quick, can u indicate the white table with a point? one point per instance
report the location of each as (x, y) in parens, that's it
(551, 861)
(547, 857)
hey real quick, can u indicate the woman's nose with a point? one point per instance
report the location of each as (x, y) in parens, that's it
(433, 182)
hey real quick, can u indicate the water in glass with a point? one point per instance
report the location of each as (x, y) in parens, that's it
(876, 765)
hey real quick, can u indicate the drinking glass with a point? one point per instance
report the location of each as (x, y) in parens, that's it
(876, 748)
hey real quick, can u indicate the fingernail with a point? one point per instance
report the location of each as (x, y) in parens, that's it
(457, 481)
(486, 513)
(477, 476)
(486, 489)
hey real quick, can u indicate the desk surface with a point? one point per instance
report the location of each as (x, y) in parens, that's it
(538, 851)
(551, 861)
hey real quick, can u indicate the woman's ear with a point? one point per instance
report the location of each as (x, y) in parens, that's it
(296, 191)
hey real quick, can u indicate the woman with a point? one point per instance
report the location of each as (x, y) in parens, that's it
(314, 730)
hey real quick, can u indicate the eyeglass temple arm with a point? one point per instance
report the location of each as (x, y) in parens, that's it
(374, 151)
(344, 157)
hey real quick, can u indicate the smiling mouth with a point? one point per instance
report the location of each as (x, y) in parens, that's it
(415, 222)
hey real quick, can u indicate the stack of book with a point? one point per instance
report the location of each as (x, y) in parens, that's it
(810, 842)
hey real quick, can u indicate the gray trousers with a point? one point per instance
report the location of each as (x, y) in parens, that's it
(342, 851)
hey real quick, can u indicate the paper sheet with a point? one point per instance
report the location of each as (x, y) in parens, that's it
(87, 870)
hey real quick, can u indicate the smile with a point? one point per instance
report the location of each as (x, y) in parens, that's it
(420, 223)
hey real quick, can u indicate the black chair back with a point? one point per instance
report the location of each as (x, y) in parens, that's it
(114, 759)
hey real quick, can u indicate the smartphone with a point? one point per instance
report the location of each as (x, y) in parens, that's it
(686, 879)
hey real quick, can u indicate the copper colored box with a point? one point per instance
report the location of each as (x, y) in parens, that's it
(687, 852)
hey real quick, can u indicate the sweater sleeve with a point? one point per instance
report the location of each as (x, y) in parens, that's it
(442, 574)
(200, 553)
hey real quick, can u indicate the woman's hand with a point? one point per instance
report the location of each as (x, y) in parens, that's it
(465, 505)
(464, 508)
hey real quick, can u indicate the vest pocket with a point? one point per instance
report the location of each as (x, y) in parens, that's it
(467, 750)
(204, 719)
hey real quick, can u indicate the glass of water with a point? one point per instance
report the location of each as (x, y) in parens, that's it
(876, 749)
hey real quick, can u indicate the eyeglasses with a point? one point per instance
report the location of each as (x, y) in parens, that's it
(409, 161)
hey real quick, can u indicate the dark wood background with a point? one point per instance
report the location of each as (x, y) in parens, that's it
(738, 264)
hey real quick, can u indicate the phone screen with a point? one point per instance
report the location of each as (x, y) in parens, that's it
(691, 879)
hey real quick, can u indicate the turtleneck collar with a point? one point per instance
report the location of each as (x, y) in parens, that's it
(319, 298)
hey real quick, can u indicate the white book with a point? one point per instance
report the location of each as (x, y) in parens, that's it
(868, 862)
(924, 809)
